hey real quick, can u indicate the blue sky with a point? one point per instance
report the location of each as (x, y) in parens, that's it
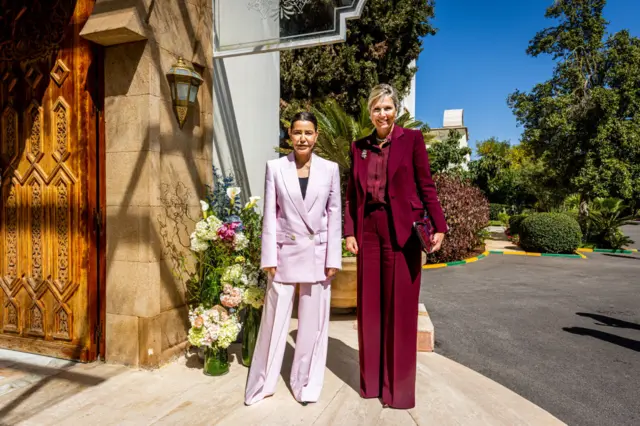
(478, 58)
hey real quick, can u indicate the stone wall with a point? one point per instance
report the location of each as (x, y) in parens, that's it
(146, 151)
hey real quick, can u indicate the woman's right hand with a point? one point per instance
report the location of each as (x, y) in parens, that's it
(270, 271)
(352, 245)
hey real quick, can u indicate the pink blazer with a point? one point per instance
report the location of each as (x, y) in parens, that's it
(301, 237)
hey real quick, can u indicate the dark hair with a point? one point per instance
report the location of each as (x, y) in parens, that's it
(305, 116)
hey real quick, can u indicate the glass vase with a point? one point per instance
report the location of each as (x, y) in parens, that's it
(250, 330)
(216, 361)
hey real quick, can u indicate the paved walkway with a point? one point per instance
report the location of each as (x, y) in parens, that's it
(36, 390)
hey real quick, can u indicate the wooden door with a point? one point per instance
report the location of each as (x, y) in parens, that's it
(48, 136)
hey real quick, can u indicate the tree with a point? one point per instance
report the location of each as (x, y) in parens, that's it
(502, 172)
(583, 124)
(448, 155)
(380, 47)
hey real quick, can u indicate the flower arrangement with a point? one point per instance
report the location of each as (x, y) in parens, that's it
(213, 327)
(226, 246)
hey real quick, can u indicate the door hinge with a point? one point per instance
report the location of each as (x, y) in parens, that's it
(98, 222)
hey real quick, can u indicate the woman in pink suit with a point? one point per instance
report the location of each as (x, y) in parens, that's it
(389, 188)
(301, 245)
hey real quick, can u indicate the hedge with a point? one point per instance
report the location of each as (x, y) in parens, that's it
(550, 233)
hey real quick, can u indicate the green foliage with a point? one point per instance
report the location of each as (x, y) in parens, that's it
(495, 210)
(515, 223)
(550, 233)
(345, 252)
(503, 217)
(467, 212)
(604, 221)
(583, 125)
(447, 155)
(379, 48)
(501, 172)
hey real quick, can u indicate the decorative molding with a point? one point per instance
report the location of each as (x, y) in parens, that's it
(60, 129)
(62, 232)
(11, 234)
(33, 29)
(34, 120)
(283, 9)
(286, 11)
(63, 329)
(36, 320)
(60, 72)
(36, 233)
(10, 132)
(11, 318)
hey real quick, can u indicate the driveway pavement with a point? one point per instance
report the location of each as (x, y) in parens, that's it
(563, 333)
(633, 232)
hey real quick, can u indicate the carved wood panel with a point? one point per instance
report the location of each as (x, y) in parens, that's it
(47, 126)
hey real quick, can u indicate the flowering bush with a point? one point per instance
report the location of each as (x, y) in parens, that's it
(466, 210)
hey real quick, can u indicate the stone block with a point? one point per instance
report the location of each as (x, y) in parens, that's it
(121, 337)
(132, 123)
(133, 235)
(132, 178)
(132, 288)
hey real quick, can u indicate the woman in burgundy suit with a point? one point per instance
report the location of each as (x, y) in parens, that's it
(389, 188)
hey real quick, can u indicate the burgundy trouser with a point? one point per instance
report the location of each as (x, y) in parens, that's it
(388, 291)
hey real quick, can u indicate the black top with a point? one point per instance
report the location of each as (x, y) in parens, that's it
(303, 185)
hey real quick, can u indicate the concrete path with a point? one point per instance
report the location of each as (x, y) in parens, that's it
(53, 392)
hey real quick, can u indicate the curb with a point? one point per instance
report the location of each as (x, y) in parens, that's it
(457, 262)
(526, 253)
(426, 332)
(597, 250)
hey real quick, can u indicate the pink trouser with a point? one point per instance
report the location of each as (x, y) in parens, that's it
(307, 372)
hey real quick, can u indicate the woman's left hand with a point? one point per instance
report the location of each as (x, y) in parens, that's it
(436, 240)
(330, 272)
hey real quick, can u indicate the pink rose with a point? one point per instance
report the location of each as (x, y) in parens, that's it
(197, 323)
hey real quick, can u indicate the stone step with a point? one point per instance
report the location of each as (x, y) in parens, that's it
(426, 332)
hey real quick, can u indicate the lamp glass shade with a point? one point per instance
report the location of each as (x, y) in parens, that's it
(182, 91)
(192, 94)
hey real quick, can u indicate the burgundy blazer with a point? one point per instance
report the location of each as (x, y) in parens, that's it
(410, 188)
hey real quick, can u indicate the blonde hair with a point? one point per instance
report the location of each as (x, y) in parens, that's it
(383, 91)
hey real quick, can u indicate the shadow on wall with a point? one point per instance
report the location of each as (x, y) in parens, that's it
(165, 154)
(227, 134)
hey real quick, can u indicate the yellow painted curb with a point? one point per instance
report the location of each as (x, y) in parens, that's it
(586, 250)
(459, 262)
(580, 254)
(435, 266)
(521, 253)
